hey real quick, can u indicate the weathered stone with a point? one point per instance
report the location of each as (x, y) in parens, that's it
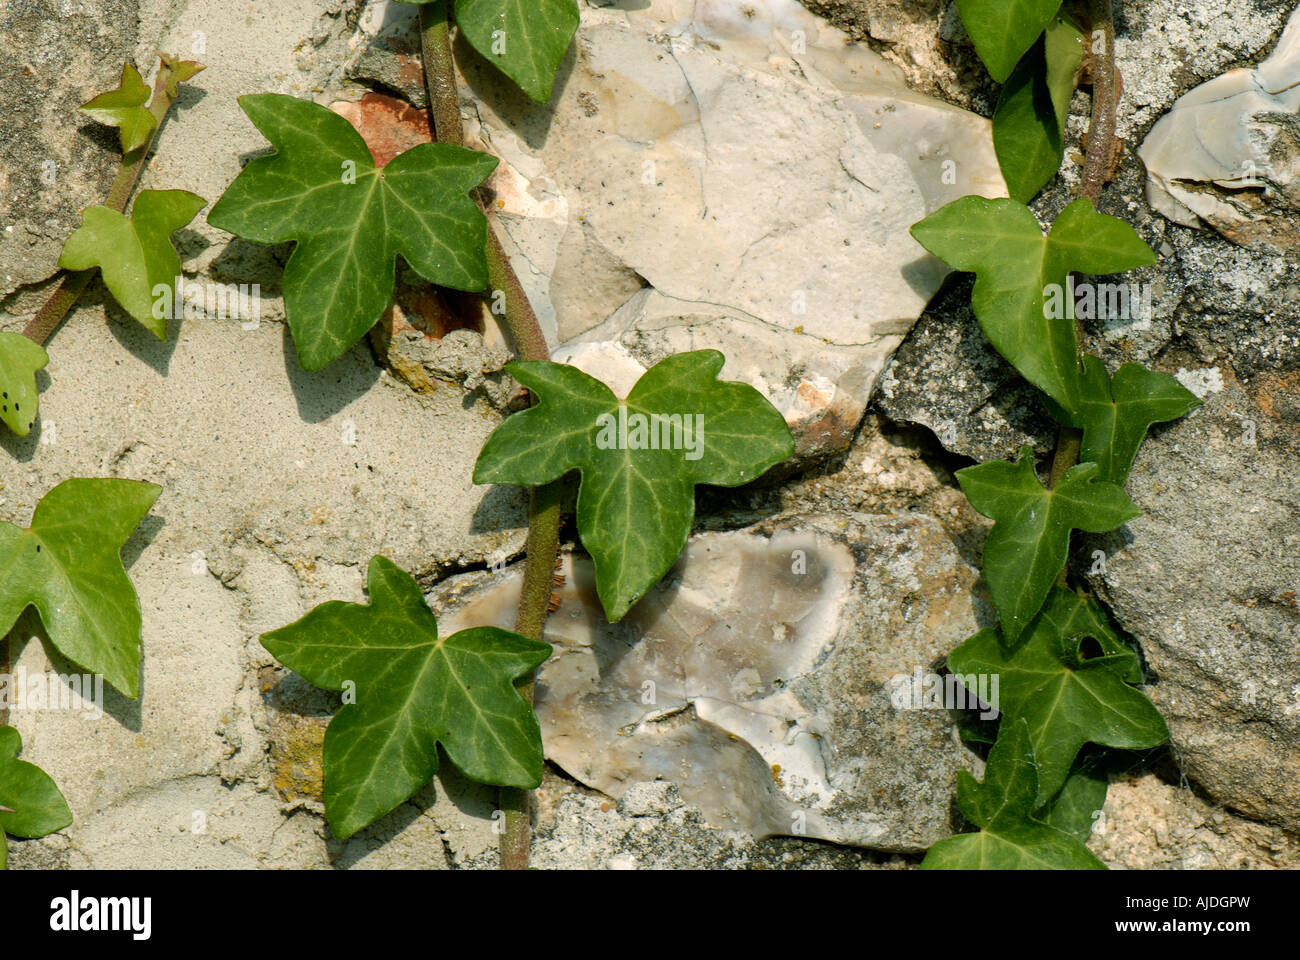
(759, 677)
(1207, 580)
(1228, 153)
(756, 171)
(925, 39)
(54, 56)
(1148, 824)
(947, 377)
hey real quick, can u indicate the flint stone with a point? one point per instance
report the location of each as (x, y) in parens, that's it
(759, 676)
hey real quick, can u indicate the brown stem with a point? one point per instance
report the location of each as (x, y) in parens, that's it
(530, 344)
(1101, 143)
(42, 326)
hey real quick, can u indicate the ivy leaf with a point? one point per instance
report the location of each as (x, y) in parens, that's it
(20, 358)
(68, 566)
(125, 109)
(640, 459)
(136, 255)
(31, 805)
(1074, 615)
(1015, 265)
(524, 39)
(1065, 699)
(1027, 139)
(1075, 807)
(1002, 30)
(413, 691)
(178, 71)
(1116, 412)
(1029, 124)
(1027, 546)
(1009, 838)
(1063, 51)
(351, 219)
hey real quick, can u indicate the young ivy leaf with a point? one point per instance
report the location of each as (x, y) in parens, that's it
(20, 358)
(1029, 124)
(1066, 700)
(31, 805)
(1002, 30)
(178, 71)
(413, 690)
(351, 219)
(68, 566)
(1016, 269)
(640, 459)
(1009, 838)
(135, 255)
(1027, 546)
(125, 109)
(1116, 412)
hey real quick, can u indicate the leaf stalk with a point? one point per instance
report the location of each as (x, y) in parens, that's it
(530, 343)
(1099, 146)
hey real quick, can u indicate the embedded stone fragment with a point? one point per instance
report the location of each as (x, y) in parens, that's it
(762, 676)
(749, 163)
(1228, 152)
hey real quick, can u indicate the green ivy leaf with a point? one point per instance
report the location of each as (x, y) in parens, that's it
(68, 566)
(1063, 51)
(125, 109)
(1076, 804)
(1115, 413)
(20, 358)
(1028, 141)
(136, 255)
(413, 691)
(524, 39)
(339, 278)
(1075, 615)
(1002, 30)
(1027, 546)
(1029, 124)
(1009, 838)
(178, 71)
(1066, 700)
(636, 503)
(1014, 265)
(31, 805)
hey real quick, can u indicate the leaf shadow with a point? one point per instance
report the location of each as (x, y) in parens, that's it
(138, 341)
(526, 119)
(472, 800)
(502, 507)
(324, 393)
(129, 713)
